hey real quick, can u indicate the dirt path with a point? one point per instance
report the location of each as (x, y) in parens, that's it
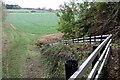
(49, 35)
(113, 65)
(13, 26)
(112, 70)
(34, 66)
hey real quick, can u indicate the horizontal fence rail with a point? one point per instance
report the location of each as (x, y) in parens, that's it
(99, 38)
(105, 46)
(95, 68)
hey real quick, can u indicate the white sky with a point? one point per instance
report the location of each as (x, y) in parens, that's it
(54, 4)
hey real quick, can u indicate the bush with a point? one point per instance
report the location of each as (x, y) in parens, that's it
(55, 56)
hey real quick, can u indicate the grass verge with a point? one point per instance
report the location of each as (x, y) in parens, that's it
(16, 51)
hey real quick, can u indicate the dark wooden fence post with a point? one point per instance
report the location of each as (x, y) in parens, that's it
(83, 38)
(73, 40)
(70, 67)
(101, 51)
(94, 38)
(65, 42)
(101, 39)
(96, 59)
(90, 39)
(78, 40)
(110, 49)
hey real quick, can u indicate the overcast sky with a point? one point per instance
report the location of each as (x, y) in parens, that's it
(54, 4)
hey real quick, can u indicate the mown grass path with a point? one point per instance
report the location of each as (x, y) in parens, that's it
(20, 57)
(34, 66)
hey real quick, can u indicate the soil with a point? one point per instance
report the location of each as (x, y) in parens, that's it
(50, 35)
(112, 69)
(34, 66)
(113, 64)
(13, 26)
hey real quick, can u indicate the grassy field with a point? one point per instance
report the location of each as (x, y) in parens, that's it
(23, 10)
(14, 52)
(20, 58)
(36, 23)
(18, 10)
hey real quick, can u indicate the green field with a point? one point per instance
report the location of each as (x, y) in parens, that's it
(19, 45)
(37, 23)
(18, 10)
(23, 10)
(19, 48)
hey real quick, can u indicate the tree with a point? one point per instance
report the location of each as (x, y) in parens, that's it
(89, 18)
(107, 18)
(12, 6)
(50, 10)
(74, 19)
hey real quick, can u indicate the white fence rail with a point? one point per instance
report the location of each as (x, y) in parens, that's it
(100, 63)
(99, 38)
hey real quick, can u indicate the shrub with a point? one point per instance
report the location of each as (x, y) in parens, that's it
(55, 56)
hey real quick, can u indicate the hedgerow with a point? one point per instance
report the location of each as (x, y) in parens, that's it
(55, 56)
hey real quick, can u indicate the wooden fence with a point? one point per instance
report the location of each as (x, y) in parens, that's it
(90, 39)
(102, 51)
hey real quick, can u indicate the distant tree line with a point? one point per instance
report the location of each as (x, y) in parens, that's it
(12, 6)
(8, 6)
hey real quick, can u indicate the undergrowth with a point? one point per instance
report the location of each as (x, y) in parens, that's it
(56, 55)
